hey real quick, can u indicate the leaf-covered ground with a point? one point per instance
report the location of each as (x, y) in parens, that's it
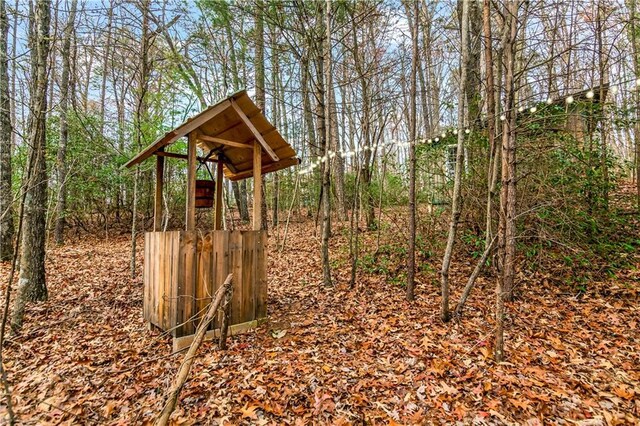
(330, 355)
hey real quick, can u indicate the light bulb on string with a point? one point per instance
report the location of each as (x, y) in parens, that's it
(467, 131)
(533, 109)
(549, 100)
(455, 131)
(429, 141)
(569, 99)
(503, 117)
(590, 94)
(521, 109)
(437, 139)
(444, 135)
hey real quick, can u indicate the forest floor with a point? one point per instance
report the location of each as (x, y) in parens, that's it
(331, 355)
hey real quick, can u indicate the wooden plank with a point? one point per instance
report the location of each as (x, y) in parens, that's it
(218, 204)
(261, 276)
(204, 282)
(221, 259)
(221, 141)
(236, 265)
(172, 284)
(247, 312)
(180, 343)
(255, 132)
(145, 280)
(160, 302)
(257, 187)
(157, 206)
(153, 277)
(178, 316)
(190, 272)
(191, 185)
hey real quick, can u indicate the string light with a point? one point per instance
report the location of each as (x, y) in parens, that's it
(590, 94)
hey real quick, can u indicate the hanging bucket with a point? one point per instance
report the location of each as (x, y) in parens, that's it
(205, 190)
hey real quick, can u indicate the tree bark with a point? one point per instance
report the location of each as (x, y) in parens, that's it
(61, 159)
(32, 285)
(413, 116)
(141, 117)
(456, 201)
(326, 169)
(633, 28)
(506, 229)
(492, 171)
(7, 230)
(260, 86)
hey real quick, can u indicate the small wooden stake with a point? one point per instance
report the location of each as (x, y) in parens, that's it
(185, 367)
(224, 326)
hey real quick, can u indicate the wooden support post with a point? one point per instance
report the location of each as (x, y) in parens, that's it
(257, 186)
(218, 204)
(190, 220)
(157, 208)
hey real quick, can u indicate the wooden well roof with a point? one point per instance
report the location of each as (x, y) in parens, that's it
(226, 132)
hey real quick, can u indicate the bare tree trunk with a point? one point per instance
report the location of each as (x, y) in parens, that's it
(260, 95)
(141, 116)
(32, 285)
(239, 189)
(338, 161)
(602, 66)
(105, 62)
(456, 201)
(326, 171)
(492, 171)
(61, 159)
(633, 28)
(506, 229)
(413, 116)
(473, 82)
(7, 230)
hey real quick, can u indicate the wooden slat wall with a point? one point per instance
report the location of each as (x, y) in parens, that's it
(183, 270)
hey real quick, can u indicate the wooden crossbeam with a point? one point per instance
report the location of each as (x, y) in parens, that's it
(255, 131)
(221, 141)
(287, 162)
(183, 156)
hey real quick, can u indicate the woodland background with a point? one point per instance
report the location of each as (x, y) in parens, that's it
(442, 143)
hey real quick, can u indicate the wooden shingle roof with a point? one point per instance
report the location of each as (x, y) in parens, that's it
(226, 132)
